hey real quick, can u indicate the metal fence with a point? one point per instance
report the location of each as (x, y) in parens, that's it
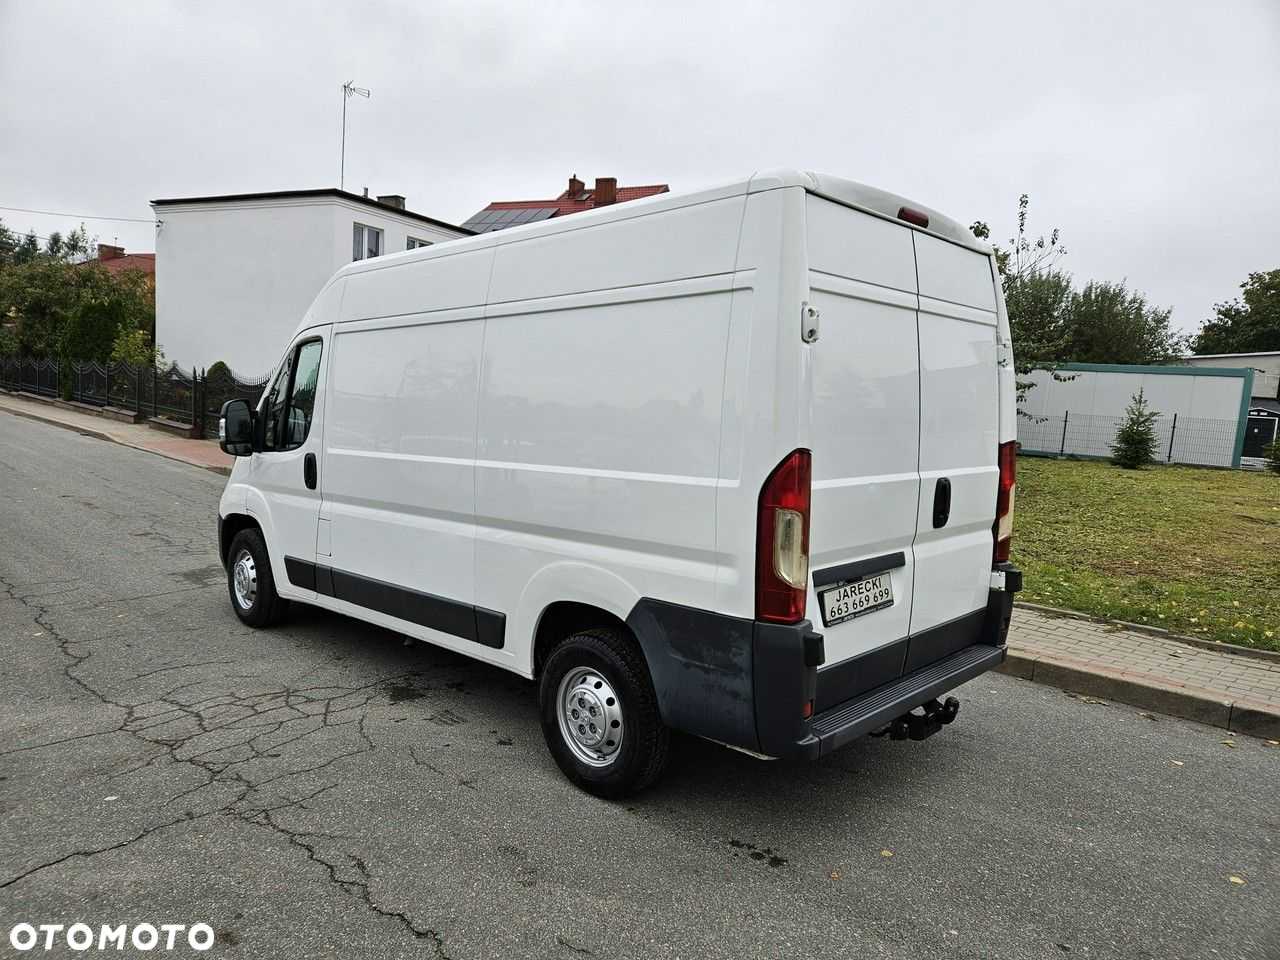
(1179, 439)
(185, 396)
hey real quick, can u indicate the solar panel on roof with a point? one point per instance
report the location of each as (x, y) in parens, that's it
(487, 221)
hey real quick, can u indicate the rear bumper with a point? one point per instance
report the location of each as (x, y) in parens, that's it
(748, 683)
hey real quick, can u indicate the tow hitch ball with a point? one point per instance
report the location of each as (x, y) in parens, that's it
(919, 726)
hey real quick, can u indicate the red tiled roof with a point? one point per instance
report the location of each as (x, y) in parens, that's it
(566, 204)
(146, 262)
(575, 202)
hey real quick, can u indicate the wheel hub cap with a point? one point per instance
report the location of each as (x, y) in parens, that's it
(244, 579)
(590, 716)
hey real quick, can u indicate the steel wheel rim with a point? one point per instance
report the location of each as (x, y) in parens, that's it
(244, 579)
(590, 714)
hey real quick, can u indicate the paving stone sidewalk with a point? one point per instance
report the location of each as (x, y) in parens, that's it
(1235, 691)
(200, 453)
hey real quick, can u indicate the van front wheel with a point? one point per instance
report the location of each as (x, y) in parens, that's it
(600, 714)
(249, 581)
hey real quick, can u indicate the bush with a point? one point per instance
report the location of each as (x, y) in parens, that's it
(218, 369)
(91, 330)
(1272, 452)
(1135, 443)
(133, 347)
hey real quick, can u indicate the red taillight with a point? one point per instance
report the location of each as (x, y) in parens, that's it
(782, 541)
(1003, 529)
(919, 218)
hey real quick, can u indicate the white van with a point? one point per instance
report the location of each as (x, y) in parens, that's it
(737, 462)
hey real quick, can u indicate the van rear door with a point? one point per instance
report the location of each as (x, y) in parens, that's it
(864, 432)
(959, 439)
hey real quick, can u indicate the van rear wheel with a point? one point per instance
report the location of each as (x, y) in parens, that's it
(249, 581)
(600, 714)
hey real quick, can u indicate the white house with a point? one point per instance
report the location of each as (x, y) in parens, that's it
(235, 274)
(1265, 367)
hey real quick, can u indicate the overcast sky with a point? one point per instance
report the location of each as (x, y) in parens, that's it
(1149, 132)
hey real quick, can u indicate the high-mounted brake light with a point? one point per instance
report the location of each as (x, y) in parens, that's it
(1003, 528)
(782, 541)
(911, 215)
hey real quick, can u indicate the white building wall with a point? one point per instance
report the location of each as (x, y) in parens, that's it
(234, 278)
(1079, 415)
(1265, 366)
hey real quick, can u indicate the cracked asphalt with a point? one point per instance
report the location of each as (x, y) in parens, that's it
(322, 790)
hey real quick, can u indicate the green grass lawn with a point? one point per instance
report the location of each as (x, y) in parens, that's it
(1191, 550)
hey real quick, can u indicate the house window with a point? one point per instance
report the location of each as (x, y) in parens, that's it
(413, 243)
(366, 242)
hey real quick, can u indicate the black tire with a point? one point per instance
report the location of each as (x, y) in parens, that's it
(642, 754)
(267, 606)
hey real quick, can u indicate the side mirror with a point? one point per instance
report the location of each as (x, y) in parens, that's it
(235, 428)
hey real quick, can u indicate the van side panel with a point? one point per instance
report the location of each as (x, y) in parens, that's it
(959, 435)
(599, 413)
(399, 475)
(695, 241)
(764, 416)
(865, 426)
(441, 281)
(600, 448)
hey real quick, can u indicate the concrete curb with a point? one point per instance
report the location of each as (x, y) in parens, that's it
(1271, 656)
(104, 435)
(1186, 703)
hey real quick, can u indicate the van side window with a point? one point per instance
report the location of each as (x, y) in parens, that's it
(302, 397)
(292, 401)
(273, 409)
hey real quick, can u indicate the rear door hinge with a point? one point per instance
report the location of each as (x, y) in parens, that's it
(1004, 352)
(809, 316)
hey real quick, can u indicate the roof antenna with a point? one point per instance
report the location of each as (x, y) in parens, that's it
(348, 91)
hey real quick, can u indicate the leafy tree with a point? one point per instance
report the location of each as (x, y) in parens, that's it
(92, 328)
(39, 296)
(1036, 295)
(1023, 257)
(8, 244)
(27, 249)
(72, 246)
(1108, 323)
(1250, 325)
(1039, 307)
(1135, 443)
(1052, 322)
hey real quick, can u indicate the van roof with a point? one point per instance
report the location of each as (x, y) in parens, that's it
(881, 203)
(871, 200)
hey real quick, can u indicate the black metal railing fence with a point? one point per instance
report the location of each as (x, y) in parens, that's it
(192, 397)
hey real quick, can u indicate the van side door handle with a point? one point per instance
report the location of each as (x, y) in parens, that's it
(309, 471)
(941, 503)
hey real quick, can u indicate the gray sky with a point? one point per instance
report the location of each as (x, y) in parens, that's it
(1148, 131)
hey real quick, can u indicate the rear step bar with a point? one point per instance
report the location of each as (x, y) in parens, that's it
(885, 706)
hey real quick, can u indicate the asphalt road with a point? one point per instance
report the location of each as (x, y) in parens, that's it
(322, 790)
